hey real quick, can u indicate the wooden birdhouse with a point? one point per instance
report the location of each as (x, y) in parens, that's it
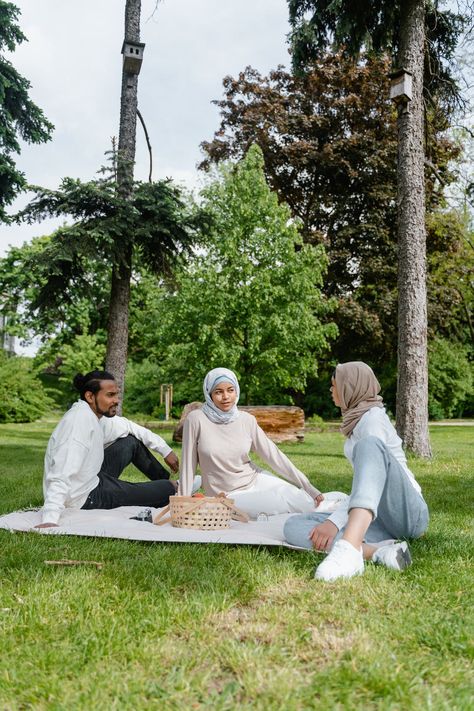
(401, 86)
(132, 56)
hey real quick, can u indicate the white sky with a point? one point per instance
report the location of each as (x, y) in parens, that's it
(73, 61)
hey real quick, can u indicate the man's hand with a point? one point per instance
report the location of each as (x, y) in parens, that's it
(172, 461)
(322, 535)
(47, 525)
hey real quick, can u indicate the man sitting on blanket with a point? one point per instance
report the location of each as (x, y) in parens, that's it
(90, 448)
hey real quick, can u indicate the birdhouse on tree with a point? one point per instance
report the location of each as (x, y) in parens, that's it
(132, 56)
(401, 86)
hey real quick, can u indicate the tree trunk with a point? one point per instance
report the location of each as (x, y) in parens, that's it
(117, 339)
(412, 385)
(117, 335)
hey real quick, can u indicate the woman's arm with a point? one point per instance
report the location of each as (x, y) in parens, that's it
(188, 457)
(280, 463)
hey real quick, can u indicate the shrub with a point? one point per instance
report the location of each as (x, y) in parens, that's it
(22, 397)
(142, 388)
(85, 353)
(451, 381)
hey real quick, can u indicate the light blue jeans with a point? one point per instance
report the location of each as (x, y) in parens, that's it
(379, 485)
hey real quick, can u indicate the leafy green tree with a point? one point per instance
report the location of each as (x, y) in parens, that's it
(403, 29)
(143, 382)
(51, 294)
(85, 353)
(22, 397)
(251, 300)
(19, 116)
(451, 375)
(153, 223)
(451, 278)
(328, 138)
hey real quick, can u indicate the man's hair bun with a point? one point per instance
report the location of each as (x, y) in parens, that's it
(90, 382)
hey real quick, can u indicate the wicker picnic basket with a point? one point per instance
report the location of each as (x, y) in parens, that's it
(207, 513)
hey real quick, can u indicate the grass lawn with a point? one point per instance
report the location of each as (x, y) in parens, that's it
(171, 626)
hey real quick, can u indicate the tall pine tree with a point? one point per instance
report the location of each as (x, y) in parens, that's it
(20, 118)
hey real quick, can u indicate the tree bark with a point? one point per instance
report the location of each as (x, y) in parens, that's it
(412, 384)
(117, 338)
(117, 332)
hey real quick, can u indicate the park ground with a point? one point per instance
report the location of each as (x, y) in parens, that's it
(163, 626)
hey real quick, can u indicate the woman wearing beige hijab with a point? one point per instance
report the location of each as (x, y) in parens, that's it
(385, 502)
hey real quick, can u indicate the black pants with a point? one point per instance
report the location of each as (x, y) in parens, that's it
(112, 492)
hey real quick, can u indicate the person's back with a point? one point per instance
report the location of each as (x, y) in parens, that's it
(385, 503)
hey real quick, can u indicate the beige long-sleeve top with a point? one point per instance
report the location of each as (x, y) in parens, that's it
(222, 452)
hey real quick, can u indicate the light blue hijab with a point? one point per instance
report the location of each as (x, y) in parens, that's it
(211, 381)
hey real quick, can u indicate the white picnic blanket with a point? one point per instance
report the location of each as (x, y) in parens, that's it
(117, 523)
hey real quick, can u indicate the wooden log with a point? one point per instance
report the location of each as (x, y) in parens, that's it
(178, 430)
(282, 423)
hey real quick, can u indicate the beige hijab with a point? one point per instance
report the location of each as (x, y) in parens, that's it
(358, 390)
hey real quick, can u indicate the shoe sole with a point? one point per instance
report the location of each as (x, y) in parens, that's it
(403, 557)
(337, 577)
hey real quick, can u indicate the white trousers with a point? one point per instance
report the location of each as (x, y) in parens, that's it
(271, 495)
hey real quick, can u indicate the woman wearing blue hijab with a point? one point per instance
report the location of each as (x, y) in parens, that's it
(219, 437)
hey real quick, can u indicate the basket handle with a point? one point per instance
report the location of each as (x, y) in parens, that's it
(237, 514)
(159, 520)
(193, 506)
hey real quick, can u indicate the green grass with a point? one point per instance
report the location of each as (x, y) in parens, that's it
(165, 626)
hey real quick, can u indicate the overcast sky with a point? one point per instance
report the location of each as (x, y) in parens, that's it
(73, 61)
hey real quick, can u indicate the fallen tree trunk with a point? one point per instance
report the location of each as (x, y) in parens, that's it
(282, 423)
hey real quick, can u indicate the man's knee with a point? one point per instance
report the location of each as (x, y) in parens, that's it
(119, 455)
(169, 486)
(163, 490)
(123, 444)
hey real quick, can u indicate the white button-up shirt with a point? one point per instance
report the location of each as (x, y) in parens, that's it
(75, 453)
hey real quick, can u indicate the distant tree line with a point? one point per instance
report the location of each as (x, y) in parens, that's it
(285, 264)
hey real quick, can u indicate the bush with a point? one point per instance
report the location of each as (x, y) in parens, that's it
(22, 397)
(451, 379)
(59, 362)
(84, 354)
(142, 388)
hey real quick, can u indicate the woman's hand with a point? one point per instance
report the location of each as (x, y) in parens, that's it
(322, 535)
(318, 499)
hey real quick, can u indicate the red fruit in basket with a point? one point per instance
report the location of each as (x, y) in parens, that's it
(198, 496)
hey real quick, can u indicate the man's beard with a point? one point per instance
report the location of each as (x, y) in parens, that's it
(105, 413)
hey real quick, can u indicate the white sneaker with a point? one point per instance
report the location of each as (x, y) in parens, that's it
(196, 484)
(343, 561)
(395, 556)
